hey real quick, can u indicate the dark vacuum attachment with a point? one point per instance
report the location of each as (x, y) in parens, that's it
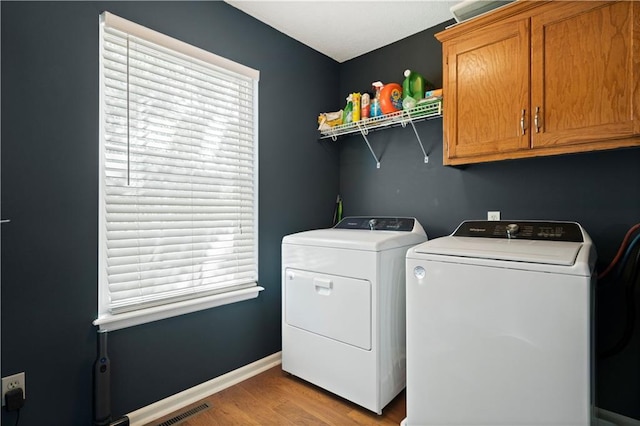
(102, 387)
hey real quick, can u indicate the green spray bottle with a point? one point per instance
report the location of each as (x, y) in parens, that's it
(347, 112)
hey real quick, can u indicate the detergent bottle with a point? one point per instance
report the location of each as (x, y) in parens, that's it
(375, 110)
(413, 88)
(390, 98)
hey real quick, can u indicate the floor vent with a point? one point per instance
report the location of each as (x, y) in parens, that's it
(185, 415)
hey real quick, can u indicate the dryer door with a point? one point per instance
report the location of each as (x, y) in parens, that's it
(329, 305)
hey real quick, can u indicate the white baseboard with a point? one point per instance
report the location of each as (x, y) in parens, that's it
(615, 418)
(189, 396)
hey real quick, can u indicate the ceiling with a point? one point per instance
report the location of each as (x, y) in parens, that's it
(344, 30)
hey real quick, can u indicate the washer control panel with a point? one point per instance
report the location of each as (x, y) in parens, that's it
(523, 230)
(377, 223)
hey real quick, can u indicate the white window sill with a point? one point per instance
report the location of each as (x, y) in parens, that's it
(129, 319)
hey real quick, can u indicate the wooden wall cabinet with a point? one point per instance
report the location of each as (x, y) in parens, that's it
(542, 78)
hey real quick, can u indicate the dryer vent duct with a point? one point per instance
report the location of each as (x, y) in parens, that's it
(471, 8)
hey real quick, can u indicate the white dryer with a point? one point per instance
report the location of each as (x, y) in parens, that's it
(499, 326)
(343, 307)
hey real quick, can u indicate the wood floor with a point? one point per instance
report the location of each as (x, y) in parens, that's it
(277, 398)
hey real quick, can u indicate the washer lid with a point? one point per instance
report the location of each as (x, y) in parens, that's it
(531, 251)
(355, 239)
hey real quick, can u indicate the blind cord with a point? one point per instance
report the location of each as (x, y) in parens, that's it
(128, 125)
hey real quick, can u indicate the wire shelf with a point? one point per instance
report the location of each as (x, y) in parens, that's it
(421, 112)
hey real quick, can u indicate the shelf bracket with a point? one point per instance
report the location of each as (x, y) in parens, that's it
(404, 124)
(364, 132)
(418, 113)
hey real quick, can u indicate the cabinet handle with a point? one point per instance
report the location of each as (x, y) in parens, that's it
(536, 121)
(522, 122)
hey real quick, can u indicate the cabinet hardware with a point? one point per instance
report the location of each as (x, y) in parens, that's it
(537, 123)
(522, 125)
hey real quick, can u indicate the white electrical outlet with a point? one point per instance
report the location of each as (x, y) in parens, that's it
(493, 215)
(13, 382)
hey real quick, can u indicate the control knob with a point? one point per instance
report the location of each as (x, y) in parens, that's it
(512, 230)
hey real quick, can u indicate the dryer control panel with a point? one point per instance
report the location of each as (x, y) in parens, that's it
(523, 230)
(406, 224)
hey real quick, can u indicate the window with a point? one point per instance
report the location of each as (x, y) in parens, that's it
(178, 177)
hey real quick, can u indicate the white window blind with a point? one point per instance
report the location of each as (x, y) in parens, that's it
(178, 195)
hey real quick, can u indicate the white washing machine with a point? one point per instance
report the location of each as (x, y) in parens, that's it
(499, 326)
(343, 307)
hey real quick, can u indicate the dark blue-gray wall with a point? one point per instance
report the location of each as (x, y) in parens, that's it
(600, 190)
(50, 185)
(50, 193)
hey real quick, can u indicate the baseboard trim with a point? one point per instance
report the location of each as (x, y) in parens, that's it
(615, 418)
(189, 396)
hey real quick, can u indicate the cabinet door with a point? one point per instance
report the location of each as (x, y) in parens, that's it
(584, 82)
(487, 93)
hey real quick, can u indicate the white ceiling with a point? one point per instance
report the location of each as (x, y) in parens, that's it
(344, 30)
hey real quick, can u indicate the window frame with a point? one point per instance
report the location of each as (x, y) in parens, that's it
(106, 320)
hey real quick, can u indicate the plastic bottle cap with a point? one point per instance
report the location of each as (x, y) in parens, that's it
(407, 73)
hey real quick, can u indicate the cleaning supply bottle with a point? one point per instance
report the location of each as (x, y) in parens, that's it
(347, 112)
(413, 87)
(365, 105)
(355, 101)
(391, 98)
(375, 102)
